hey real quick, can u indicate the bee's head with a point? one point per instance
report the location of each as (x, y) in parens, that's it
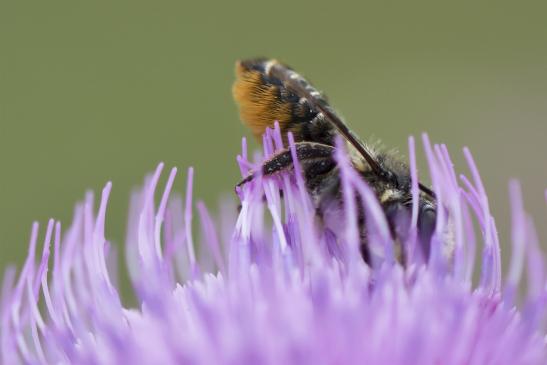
(397, 204)
(393, 188)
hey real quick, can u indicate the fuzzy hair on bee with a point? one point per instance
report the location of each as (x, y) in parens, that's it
(268, 91)
(264, 97)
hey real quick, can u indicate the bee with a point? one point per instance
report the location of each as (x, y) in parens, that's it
(268, 91)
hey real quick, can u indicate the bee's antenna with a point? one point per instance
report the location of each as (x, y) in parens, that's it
(427, 190)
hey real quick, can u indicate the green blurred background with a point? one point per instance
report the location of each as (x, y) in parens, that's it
(96, 91)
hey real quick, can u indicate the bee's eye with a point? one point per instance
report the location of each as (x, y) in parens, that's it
(427, 218)
(398, 217)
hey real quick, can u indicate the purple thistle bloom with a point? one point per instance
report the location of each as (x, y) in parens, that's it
(271, 285)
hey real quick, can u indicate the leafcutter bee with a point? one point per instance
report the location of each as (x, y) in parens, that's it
(268, 91)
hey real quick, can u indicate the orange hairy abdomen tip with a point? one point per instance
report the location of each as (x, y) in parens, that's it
(259, 103)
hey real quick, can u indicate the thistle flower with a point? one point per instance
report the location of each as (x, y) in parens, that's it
(271, 285)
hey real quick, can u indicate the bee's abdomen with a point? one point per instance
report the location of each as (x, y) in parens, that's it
(264, 98)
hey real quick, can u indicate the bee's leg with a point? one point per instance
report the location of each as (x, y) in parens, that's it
(316, 159)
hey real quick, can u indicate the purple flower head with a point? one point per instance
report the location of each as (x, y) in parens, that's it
(274, 285)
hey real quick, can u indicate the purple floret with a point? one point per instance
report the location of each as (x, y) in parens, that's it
(272, 284)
